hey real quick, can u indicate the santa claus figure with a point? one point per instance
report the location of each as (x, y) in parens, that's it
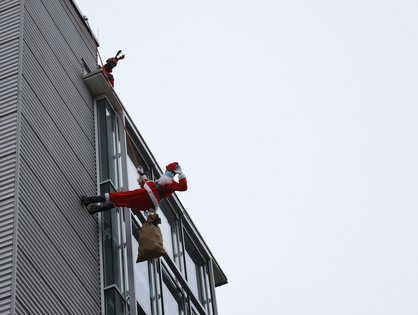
(148, 197)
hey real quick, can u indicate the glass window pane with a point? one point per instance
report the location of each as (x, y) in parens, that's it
(114, 304)
(170, 304)
(194, 311)
(108, 142)
(132, 175)
(102, 137)
(142, 280)
(171, 298)
(140, 311)
(112, 251)
(167, 231)
(112, 146)
(209, 307)
(192, 277)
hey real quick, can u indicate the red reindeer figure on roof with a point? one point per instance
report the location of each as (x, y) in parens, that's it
(110, 64)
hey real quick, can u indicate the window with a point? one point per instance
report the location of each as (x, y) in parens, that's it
(142, 275)
(111, 221)
(134, 160)
(177, 284)
(193, 269)
(114, 304)
(192, 273)
(132, 175)
(208, 303)
(172, 297)
(168, 230)
(197, 276)
(112, 250)
(108, 142)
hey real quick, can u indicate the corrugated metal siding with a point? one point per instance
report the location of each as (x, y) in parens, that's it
(8, 53)
(9, 50)
(49, 115)
(7, 169)
(6, 247)
(7, 4)
(9, 21)
(50, 54)
(58, 249)
(7, 143)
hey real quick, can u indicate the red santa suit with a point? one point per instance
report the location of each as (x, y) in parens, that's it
(108, 73)
(149, 196)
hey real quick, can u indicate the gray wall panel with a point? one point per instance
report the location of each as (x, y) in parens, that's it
(30, 283)
(6, 248)
(7, 4)
(9, 23)
(43, 170)
(61, 37)
(58, 247)
(48, 212)
(67, 234)
(51, 103)
(9, 50)
(75, 150)
(8, 125)
(73, 93)
(73, 28)
(7, 175)
(8, 95)
(39, 249)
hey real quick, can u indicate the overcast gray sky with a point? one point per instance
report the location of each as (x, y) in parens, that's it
(296, 123)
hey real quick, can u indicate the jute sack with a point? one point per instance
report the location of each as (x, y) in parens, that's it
(150, 239)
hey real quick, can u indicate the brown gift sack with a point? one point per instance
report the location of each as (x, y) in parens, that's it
(150, 239)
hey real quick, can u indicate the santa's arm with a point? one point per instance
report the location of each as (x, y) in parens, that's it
(142, 177)
(182, 184)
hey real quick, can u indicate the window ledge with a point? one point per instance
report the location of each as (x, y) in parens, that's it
(99, 86)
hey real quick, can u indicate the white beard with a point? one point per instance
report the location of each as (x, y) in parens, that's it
(164, 180)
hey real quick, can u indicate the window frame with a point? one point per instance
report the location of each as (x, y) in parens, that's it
(113, 183)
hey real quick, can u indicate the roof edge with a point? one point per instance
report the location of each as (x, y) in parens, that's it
(83, 18)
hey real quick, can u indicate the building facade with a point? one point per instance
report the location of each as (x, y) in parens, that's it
(65, 133)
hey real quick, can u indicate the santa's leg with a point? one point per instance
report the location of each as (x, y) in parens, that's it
(96, 208)
(93, 199)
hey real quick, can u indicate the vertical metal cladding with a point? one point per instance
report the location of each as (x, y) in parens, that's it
(58, 250)
(9, 49)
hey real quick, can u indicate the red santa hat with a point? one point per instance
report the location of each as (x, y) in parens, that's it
(170, 172)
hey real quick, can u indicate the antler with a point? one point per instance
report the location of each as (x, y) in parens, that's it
(117, 55)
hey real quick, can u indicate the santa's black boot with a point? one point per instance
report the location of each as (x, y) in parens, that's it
(96, 208)
(93, 199)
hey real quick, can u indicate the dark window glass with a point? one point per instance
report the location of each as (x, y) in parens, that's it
(142, 275)
(107, 137)
(111, 244)
(194, 271)
(172, 298)
(114, 303)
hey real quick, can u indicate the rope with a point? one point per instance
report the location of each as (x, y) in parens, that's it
(100, 57)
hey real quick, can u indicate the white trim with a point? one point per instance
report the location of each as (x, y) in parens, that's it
(107, 197)
(152, 196)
